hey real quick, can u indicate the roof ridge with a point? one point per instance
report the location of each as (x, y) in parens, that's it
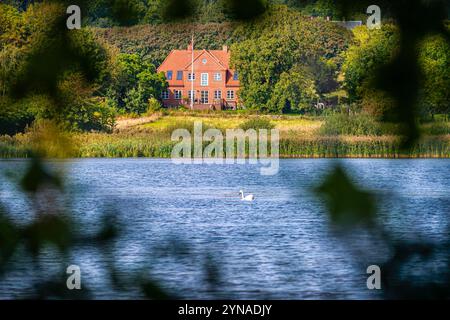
(217, 59)
(208, 52)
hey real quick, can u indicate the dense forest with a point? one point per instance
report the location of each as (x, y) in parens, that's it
(289, 58)
(108, 13)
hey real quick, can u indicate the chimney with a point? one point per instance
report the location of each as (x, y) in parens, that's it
(225, 48)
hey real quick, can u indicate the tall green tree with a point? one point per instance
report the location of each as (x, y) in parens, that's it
(285, 51)
(435, 62)
(294, 92)
(30, 37)
(374, 48)
(371, 49)
(135, 82)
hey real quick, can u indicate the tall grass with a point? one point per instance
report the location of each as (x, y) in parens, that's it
(344, 124)
(341, 137)
(257, 123)
(160, 146)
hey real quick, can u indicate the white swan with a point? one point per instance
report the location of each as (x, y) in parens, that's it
(248, 197)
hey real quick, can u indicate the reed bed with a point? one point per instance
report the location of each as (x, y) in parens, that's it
(300, 137)
(126, 145)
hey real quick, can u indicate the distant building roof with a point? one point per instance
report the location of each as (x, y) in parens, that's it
(182, 59)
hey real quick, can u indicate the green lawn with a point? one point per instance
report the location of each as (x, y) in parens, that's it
(299, 124)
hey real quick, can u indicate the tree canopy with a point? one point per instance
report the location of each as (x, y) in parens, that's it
(287, 61)
(134, 83)
(372, 48)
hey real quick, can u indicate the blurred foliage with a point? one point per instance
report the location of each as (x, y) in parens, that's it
(351, 208)
(434, 59)
(401, 77)
(107, 13)
(178, 9)
(373, 48)
(38, 55)
(52, 227)
(346, 203)
(66, 87)
(245, 10)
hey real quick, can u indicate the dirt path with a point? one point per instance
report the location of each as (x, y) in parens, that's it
(126, 123)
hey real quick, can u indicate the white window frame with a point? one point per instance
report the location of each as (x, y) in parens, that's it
(203, 99)
(230, 95)
(191, 94)
(204, 79)
(217, 94)
(191, 76)
(178, 94)
(217, 76)
(165, 94)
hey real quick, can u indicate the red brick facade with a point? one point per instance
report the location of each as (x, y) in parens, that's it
(215, 84)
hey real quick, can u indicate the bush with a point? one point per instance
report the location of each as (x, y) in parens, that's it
(153, 106)
(14, 118)
(357, 125)
(101, 117)
(257, 123)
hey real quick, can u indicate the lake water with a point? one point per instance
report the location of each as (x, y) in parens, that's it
(180, 221)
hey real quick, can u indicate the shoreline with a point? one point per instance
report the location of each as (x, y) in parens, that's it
(151, 137)
(397, 157)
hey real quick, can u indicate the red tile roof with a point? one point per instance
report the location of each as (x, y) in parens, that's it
(181, 60)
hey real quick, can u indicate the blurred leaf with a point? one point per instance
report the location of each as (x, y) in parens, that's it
(398, 285)
(126, 12)
(48, 140)
(53, 50)
(346, 203)
(37, 176)
(212, 272)
(152, 290)
(246, 9)
(178, 9)
(401, 78)
(110, 229)
(57, 289)
(48, 229)
(9, 238)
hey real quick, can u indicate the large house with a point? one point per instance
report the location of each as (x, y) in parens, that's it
(208, 80)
